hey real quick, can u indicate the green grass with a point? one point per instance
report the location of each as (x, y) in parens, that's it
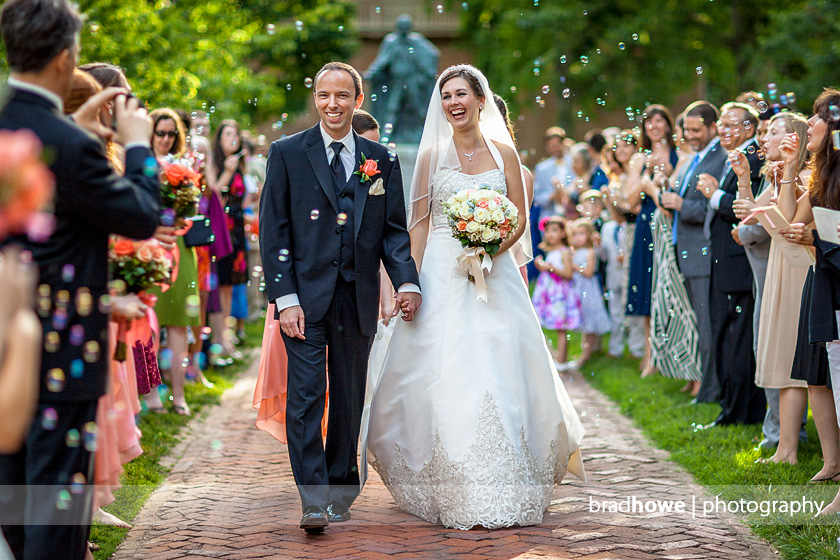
(722, 458)
(160, 433)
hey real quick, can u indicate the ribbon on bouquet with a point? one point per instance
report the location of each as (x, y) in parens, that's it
(755, 214)
(475, 260)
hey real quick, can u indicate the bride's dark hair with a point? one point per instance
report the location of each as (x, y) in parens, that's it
(462, 71)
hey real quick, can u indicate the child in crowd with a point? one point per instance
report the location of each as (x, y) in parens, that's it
(555, 298)
(612, 252)
(591, 207)
(596, 322)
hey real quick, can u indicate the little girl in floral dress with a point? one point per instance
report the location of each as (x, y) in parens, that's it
(557, 302)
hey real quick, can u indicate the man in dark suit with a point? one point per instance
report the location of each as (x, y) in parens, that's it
(325, 224)
(731, 299)
(45, 501)
(691, 244)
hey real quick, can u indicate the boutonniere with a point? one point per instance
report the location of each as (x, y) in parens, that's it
(367, 169)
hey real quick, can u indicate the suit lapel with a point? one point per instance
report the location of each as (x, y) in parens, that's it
(361, 193)
(316, 152)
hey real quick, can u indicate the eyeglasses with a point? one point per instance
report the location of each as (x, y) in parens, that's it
(164, 133)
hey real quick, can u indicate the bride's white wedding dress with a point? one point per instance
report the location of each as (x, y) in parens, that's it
(467, 421)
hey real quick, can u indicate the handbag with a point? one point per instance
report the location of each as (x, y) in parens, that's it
(200, 233)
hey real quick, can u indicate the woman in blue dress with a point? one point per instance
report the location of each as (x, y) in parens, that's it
(657, 159)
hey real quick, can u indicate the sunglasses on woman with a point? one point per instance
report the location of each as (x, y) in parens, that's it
(164, 133)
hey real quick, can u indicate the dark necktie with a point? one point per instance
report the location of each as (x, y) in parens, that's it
(336, 165)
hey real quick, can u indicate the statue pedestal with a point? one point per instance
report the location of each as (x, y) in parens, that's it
(407, 153)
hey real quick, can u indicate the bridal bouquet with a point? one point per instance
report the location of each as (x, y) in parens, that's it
(481, 219)
(180, 190)
(137, 265)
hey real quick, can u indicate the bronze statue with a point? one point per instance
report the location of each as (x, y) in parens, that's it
(403, 76)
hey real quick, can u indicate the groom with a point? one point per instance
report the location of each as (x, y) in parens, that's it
(331, 209)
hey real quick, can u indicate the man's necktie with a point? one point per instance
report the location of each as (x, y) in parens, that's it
(336, 165)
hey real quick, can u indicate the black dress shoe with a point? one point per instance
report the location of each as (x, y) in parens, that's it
(338, 512)
(314, 520)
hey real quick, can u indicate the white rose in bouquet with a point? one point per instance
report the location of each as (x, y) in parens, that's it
(481, 215)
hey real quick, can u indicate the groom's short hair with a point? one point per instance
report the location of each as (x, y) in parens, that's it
(357, 79)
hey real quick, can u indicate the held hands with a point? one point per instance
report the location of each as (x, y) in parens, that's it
(798, 233)
(408, 303)
(707, 185)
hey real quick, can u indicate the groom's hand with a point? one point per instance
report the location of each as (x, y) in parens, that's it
(292, 322)
(407, 302)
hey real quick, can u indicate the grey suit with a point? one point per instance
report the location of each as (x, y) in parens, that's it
(694, 260)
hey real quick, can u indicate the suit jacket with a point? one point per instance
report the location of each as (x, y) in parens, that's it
(91, 202)
(731, 270)
(756, 243)
(301, 255)
(691, 241)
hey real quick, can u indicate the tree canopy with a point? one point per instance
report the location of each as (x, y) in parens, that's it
(244, 59)
(621, 55)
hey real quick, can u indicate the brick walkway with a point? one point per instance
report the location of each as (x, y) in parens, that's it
(230, 496)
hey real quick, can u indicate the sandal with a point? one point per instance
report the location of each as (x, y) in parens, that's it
(824, 480)
(182, 410)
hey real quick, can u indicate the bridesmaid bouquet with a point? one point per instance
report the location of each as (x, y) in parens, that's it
(137, 265)
(180, 190)
(481, 219)
(26, 186)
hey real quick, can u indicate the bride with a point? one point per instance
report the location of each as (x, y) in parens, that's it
(466, 420)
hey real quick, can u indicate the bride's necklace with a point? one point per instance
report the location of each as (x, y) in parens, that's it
(471, 154)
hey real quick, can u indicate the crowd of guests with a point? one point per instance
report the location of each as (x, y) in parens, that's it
(711, 266)
(108, 353)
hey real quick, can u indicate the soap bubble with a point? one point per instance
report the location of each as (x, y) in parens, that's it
(55, 380)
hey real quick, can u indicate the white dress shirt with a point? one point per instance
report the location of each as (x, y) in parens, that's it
(348, 160)
(714, 201)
